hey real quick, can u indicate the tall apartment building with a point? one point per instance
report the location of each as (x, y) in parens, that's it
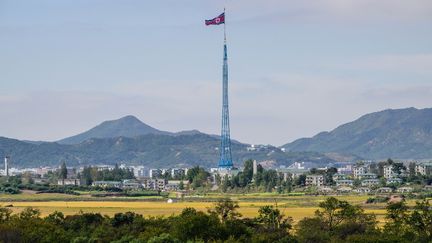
(315, 180)
(358, 171)
(388, 171)
(424, 168)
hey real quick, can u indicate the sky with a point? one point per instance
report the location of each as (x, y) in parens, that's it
(296, 67)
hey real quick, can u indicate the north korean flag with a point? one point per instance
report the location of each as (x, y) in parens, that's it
(216, 21)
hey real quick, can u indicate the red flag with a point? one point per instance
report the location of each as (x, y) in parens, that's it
(216, 21)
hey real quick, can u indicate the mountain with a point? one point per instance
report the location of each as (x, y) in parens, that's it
(128, 126)
(396, 133)
(152, 150)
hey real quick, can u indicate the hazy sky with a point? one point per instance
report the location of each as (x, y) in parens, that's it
(296, 67)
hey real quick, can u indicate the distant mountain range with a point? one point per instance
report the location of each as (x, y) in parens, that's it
(128, 140)
(400, 133)
(128, 126)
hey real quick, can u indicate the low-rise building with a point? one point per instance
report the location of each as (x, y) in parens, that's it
(362, 190)
(68, 182)
(344, 182)
(367, 176)
(370, 182)
(394, 181)
(131, 184)
(339, 176)
(154, 184)
(384, 190)
(344, 189)
(404, 189)
(108, 184)
(315, 180)
(291, 173)
(174, 185)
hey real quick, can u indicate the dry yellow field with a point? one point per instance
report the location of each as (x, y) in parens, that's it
(247, 209)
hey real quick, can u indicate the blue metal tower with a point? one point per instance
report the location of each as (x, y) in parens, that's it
(225, 161)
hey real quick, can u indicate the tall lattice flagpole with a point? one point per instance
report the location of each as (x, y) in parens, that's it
(225, 152)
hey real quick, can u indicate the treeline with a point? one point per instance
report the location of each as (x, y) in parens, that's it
(334, 221)
(91, 174)
(264, 180)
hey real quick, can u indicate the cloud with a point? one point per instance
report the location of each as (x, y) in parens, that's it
(366, 10)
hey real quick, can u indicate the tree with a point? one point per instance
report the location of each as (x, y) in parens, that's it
(226, 209)
(272, 218)
(63, 171)
(420, 221)
(248, 171)
(181, 185)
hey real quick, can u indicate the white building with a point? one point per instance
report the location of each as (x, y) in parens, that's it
(367, 176)
(424, 168)
(370, 182)
(315, 180)
(177, 172)
(405, 189)
(140, 171)
(388, 171)
(394, 181)
(344, 182)
(108, 184)
(69, 182)
(6, 165)
(362, 190)
(155, 173)
(358, 171)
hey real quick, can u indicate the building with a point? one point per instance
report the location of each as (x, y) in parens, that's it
(388, 171)
(68, 182)
(359, 170)
(178, 173)
(7, 161)
(367, 176)
(424, 168)
(155, 173)
(154, 184)
(131, 185)
(394, 181)
(107, 184)
(291, 173)
(404, 189)
(315, 180)
(140, 171)
(370, 182)
(44, 170)
(344, 189)
(362, 190)
(344, 183)
(174, 185)
(339, 176)
(384, 190)
(347, 169)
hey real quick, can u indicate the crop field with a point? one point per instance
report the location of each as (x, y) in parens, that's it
(296, 207)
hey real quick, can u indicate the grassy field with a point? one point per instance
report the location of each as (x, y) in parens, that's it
(297, 207)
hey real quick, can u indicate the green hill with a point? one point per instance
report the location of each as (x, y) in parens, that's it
(128, 126)
(400, 133)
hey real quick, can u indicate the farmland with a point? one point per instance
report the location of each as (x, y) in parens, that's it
(295, 206)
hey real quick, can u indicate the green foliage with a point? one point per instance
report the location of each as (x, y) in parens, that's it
(90, 174)
(335, 221)
(197, 176)
(226, 209)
